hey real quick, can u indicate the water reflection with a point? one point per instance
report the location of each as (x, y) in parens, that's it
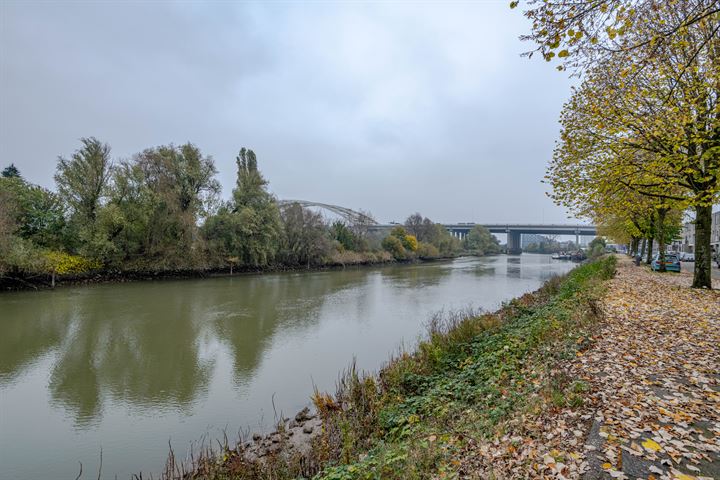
(145, 353)
(417, 276)
(31, 329)
(140, 344)
(513, 267)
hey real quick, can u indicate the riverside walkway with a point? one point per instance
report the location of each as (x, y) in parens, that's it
(651, 401)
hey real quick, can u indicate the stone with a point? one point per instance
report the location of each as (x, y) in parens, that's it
(303, 415)
(308, 429)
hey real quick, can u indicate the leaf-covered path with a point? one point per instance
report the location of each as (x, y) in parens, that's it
(654, 372)
(651, 408)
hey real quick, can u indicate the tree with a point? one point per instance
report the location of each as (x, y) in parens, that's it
(361, 226)
(646, 120)
(154, 205)
(82, 179)
(305, 239)
(423, 229)
(582, 33)
(248, 227)
(34, 212)
(10, 171)
(481, 242)
(596, 247)
(346, 237)
(414, 225)
(394, 246)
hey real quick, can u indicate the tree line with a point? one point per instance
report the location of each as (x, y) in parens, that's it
(640, 137)
(161, 211)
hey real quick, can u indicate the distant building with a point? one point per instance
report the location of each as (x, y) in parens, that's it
(529, 238)
(686, 241)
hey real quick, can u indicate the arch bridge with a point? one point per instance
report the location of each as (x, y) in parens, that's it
(514, 231)
(347, 214)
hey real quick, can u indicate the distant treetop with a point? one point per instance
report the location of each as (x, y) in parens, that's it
(11, 171)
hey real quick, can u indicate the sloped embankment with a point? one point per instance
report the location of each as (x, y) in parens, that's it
(470, 386)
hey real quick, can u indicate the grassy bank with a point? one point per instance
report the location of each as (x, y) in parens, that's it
(461, 386)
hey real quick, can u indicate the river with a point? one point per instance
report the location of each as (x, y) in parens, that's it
(130, 367)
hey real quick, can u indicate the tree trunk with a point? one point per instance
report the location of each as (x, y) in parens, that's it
(634, 246)
(52, 280)
(648, 259)
(660, 234)
(644, 245)
(703, 253)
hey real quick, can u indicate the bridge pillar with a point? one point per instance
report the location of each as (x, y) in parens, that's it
(514, 247)
(577, 239)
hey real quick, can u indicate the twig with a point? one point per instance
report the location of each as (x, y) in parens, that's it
(100, 467)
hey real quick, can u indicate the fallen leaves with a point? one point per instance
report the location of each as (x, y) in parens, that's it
(653, 405)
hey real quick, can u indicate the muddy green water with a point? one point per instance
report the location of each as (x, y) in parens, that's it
(130, 367)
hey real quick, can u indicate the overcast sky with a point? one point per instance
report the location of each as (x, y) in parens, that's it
(392, 108)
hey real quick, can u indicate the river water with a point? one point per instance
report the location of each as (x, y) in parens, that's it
(131, 367)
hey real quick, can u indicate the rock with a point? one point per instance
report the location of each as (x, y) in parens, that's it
(292, 424)
(308, 429)
(303, 415)
(257, 437)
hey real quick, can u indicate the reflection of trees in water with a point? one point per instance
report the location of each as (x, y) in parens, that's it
(140, 343)
(416, 276)
(252, 310)
(137, 345)
(32, 325)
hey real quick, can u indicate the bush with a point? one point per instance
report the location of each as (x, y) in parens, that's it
(394, 246)
(426, 250)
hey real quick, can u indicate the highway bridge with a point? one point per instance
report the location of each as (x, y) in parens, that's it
(514, 231)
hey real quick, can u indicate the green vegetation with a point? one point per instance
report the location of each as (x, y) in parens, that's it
(551, 246)
(596, 248)
(462, 385)
(422, 238)
(481, 242)
(471, 375)
(160, 213)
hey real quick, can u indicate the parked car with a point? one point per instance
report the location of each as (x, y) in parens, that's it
(687, 257)
(672, 262)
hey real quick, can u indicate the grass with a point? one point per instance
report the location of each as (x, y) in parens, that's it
(469, 377)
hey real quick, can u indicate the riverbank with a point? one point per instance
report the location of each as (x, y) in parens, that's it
(37, 282)
(463, 385)
(341, 261)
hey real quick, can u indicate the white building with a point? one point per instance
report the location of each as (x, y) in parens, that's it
(686, 242)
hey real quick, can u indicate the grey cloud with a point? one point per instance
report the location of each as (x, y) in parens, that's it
(390, 108)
